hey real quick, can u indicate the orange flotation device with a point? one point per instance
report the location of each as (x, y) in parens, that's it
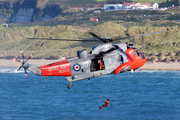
(107, 102)
(105, 105)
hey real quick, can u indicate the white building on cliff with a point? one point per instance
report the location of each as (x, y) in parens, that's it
(131, 6)
(142, 6)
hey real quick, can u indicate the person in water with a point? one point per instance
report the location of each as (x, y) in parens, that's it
(106, 104)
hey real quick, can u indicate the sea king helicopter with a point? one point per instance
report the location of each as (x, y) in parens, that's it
(104, 59)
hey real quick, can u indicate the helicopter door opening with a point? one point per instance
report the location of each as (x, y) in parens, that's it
(120, 59)
(97, 64)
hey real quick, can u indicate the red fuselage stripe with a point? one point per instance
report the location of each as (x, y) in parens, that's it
(61, 68)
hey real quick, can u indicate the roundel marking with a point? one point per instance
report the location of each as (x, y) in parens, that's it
(76, 67)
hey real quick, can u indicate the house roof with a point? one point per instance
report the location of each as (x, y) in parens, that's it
(146, 3)
(150, 4)
(130, 3)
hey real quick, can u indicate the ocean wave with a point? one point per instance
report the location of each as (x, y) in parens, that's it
(10, 70)
(152, 71)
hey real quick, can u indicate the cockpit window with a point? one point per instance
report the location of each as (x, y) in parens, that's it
(137, 53)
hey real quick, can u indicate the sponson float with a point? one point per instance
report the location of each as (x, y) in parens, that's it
(104, 59)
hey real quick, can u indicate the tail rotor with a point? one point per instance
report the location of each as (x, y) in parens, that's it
(23, 62)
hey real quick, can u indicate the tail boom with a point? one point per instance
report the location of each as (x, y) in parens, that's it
(61, 68)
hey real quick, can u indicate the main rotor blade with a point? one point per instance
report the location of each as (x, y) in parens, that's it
(16, 60)
(138, 35)
(94, 35)
(19, 68)
(64, 39)
(22, 53)
(30, 56)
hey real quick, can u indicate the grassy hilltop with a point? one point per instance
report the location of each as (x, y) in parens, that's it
(74, 24)
(162, 46)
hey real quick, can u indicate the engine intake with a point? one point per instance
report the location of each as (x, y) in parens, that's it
(82, 53)
(130, 45)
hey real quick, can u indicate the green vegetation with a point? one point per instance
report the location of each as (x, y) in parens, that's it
(100, 0)
(14, 39)
(151, 1)
(74, 24)
(9, 0)
(163, 46)
(127, 18)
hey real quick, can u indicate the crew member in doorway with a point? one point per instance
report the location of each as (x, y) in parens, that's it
(106, 104)
(101, 66)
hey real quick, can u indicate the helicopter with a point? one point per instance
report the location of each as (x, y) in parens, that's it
(104, 59)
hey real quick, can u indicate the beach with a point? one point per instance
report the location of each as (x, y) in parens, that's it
(161, 66)
(39, 62)
(147, 66)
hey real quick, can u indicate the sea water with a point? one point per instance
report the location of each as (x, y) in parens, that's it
(143, 94)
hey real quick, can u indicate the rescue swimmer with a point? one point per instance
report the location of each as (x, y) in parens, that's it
(106, 104)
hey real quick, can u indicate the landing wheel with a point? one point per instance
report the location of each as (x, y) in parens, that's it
(69, 86)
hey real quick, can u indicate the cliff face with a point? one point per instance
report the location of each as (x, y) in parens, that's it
(26, 11)
(23, 15)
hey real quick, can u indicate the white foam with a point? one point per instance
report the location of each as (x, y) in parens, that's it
(10, 70)
(151, 71)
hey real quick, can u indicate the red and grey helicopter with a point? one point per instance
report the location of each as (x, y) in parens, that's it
(104, 59)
